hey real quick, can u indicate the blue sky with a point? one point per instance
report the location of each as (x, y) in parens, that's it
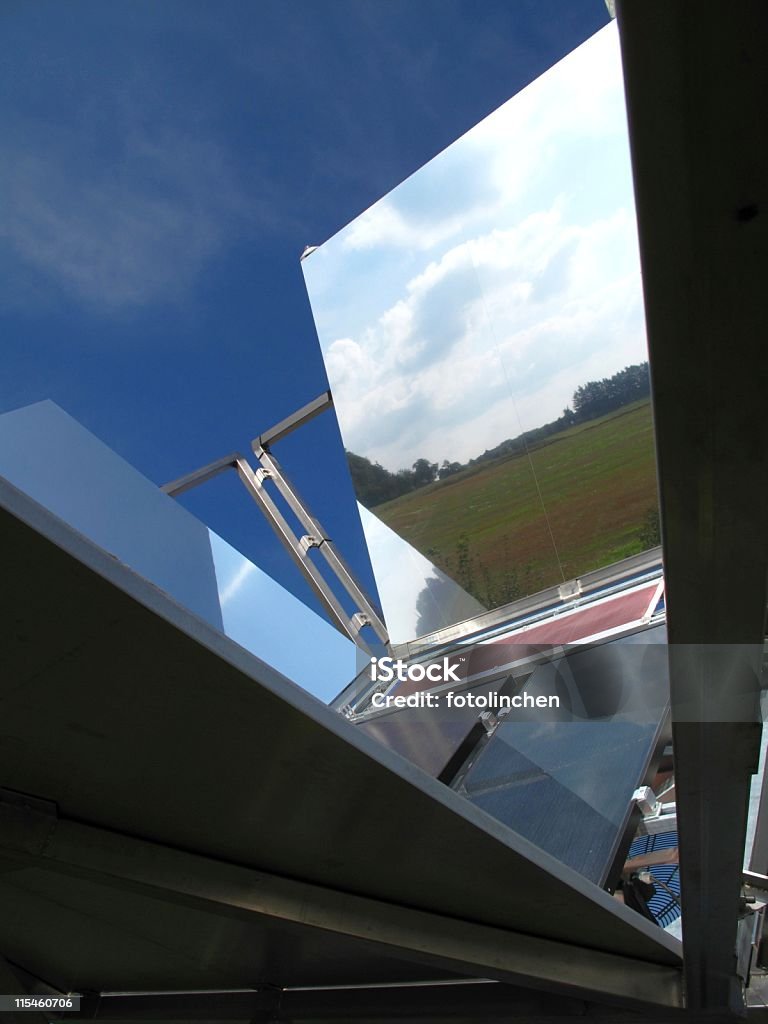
(162, 166)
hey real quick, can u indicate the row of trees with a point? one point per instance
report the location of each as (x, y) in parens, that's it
(598, 397)
(591, 400)
(374, 484)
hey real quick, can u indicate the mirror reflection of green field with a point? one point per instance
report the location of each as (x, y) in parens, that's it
(485, 526)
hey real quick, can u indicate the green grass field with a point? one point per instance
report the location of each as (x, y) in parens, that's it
(487, 528)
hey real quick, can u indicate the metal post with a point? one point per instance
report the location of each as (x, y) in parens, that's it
(299, 552)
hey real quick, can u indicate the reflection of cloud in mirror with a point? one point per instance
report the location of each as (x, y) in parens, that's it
(233, 586)
(472, 301)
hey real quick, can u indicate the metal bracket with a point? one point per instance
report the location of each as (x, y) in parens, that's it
(454, 944)
(359, 620)
(489, 721)
(646, 800)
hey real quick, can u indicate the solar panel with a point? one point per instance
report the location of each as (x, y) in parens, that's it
(565, 779)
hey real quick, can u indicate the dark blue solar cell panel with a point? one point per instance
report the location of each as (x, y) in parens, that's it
(649, 844)
(576, 755)
(566, 795)
(547, 814)
(665, 903)
(565, 781)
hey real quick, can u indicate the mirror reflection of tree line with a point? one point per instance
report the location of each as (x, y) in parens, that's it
(374, 484)
(482, 523)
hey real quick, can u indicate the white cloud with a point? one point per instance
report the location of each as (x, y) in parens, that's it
(384, 225)
(122, 231)
(503, 296)
(580, 98)
(520, 346)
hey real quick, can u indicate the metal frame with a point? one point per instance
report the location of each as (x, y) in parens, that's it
(315, 537)
(38, 836)
(360, 689)
(473, 999)
(296, 419)
(633, 816)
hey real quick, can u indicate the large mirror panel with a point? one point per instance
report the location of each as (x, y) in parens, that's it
(482, 328)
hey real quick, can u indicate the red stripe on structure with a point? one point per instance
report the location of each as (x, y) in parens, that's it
(557, 631)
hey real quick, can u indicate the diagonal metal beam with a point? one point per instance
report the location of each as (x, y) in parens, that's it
(462, 1000)
(199, 476)
(296, 419)
(462, 946)
(253, 482)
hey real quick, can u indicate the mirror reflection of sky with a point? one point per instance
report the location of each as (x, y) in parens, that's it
(468, 304)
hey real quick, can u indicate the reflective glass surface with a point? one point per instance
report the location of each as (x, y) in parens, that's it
(565, 779)
(482, 328)
(418, 596)
(49, 456)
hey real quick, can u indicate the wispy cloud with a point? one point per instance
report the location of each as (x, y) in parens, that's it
(127, 225)
(504, 160)
(234, 585)
(489, 341)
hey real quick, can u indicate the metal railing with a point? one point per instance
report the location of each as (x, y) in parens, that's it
(315, 537)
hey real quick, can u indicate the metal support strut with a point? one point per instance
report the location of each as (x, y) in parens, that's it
(297, 547)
